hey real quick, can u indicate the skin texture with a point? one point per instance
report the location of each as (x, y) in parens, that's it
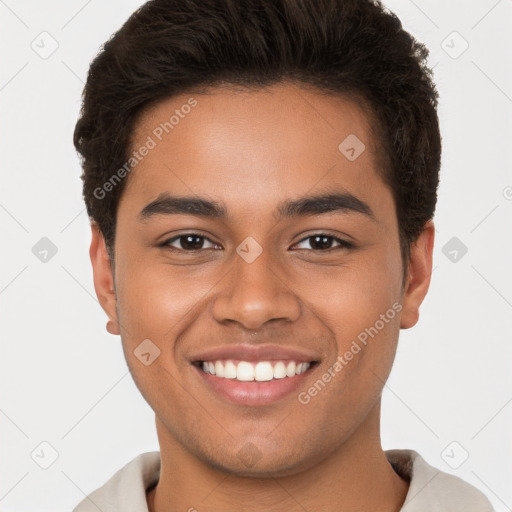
(252, 150)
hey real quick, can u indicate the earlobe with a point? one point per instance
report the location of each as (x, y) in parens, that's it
(112, 327)
(419, 274)
(103, 278)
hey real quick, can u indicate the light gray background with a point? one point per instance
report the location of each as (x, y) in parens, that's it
(64, 379)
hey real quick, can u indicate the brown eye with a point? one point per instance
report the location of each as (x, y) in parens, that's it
(187, 242)
(323, 242)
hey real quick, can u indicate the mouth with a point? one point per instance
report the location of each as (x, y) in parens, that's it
(258, 371)
(254, 383)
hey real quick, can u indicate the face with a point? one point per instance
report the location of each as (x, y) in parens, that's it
(247, 224)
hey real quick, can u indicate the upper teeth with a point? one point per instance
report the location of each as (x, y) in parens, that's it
(261, 371)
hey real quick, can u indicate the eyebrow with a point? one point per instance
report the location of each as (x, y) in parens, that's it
(167, 204)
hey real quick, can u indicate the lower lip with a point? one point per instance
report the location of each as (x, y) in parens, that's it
(254, 393)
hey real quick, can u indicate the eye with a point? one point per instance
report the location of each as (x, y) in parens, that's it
(189, 242)
(322, 242)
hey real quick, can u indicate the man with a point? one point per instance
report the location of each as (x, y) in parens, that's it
(261, 178)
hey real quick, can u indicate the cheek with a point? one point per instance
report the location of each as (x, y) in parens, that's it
(162, 303)
(351, 297)
(370, 322)
(153, 301)
(360, 303)
(364, 316)
(153, 305)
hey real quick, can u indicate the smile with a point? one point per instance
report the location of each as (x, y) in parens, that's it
(253, 383)
(259, 371)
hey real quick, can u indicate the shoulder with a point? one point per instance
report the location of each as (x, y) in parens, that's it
(126, 489)
(435, 490)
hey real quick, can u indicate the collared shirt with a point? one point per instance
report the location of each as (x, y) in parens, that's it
(430, 490)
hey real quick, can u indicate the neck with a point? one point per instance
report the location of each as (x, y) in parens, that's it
(355, 476)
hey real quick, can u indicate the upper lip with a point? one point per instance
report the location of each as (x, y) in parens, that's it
(255, 353)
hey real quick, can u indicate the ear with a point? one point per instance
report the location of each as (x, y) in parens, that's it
(103, 278)
(418, 276)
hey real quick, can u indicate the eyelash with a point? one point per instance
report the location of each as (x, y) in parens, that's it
(344, 244)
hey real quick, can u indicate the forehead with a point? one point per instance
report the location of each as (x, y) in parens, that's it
(253, 146)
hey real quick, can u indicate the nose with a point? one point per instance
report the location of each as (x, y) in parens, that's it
(254, 293)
